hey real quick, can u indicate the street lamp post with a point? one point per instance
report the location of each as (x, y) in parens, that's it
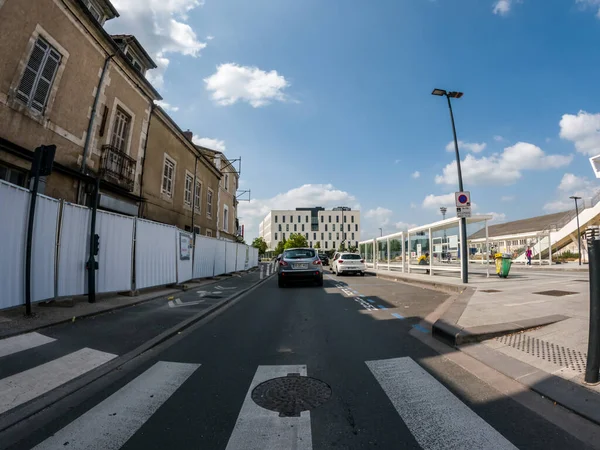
(381, 232)
(574, 197)
(443, 210)
(464, 261)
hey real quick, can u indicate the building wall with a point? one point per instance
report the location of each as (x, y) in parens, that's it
(227, 199)
(163, 139)
(279, 225)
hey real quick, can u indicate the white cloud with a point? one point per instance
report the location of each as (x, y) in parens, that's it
(498, 138)
(167, 106)
(507, 198)
(404, 226)
(379, 216)
(502, 7)
(397, 161)
(583, 130)
(212, 144)
(413, 205)
(496, 217)
(571, 184)
(209, 38)
(504, 168)
(436, 201)
(416, 174)
(470, 146)
(308, 195)
(232, 83)
(161, 28)
(594, 4)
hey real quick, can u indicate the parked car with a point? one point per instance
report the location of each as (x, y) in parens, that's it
(348, 263)
(299, 264)
(324, 259)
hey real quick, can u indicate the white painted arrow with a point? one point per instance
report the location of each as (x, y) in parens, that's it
(225, 288)
(177, 303)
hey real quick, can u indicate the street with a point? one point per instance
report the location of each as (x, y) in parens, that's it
(373, 385)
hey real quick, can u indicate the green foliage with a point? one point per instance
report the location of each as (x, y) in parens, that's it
(317, 245)
(260, 244)
(280, 247)
(569, 255)
(296, 240)
(352, 249)
(342, 247)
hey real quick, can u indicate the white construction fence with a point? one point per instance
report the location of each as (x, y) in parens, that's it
(134, 253)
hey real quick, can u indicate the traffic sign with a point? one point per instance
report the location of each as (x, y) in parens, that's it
(463, 199)
(463, 212)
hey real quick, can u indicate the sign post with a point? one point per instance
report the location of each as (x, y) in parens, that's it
(463, 204)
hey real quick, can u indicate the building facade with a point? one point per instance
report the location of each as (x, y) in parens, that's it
(66, 81)
(178, 179)
(329, 228)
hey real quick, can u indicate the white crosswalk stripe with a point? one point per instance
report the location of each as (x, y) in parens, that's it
(24, 386)
(257, 428)
(111, 423)
(22, 342)
(435, 417)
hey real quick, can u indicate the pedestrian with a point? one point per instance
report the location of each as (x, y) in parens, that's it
(528, 255)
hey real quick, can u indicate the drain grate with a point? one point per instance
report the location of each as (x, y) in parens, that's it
(491, 290)
(555, 293)
(291, 395)
(554, 353)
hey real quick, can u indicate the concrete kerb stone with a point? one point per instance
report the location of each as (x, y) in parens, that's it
(9, 419)
(433, 284)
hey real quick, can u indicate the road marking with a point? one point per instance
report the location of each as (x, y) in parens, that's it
(369, 300)
(112, 422)
(365, 304)
(177, 303)
(420, 328)
(435, 417)
(24, 386)
(257, 428)
(527, 303)
(397, 316)
(381, 307)
(22, 342)
(221, 288)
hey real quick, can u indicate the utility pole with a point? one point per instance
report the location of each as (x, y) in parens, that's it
(574, 197)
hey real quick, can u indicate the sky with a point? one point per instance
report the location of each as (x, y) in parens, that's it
(329, 103)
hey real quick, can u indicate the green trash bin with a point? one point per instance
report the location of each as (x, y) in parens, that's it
(505, 263)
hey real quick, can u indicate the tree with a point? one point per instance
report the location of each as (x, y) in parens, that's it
(352, 249)
(296, 240)
(317, 245)
(260, 244)
(342, 247)
(280, 247)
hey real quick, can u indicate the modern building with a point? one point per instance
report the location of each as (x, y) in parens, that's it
(329, 228)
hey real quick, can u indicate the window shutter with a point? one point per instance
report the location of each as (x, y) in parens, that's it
(34, 65)
(46, 78)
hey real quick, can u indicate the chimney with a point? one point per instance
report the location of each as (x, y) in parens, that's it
(188, 134)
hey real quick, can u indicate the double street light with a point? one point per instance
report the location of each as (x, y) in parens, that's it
(574, 197)
(464, 261)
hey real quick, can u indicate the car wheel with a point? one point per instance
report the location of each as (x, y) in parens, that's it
(362, 274)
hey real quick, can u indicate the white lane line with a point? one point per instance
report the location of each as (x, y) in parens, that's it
(24, 386)
(22, 342)
(527, 303)
(257, 428)
(435, 417)
(109, 424)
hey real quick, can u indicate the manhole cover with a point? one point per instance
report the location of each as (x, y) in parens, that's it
(491, 290)
(291, 395)
(555, 293)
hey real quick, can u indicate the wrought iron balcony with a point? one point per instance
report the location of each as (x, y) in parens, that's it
(117, 167)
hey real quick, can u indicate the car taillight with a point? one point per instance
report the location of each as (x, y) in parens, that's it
(340, 261)
(317, 262)
(283, 263)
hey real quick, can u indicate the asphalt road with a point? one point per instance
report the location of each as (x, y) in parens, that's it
(382, 387)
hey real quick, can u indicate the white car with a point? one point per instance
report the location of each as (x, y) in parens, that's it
(346, 263)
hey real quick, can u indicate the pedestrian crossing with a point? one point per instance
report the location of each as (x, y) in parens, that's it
(435, 417)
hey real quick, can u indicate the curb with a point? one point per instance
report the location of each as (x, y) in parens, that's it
(29, 409)
(437, 285)
(97, 313)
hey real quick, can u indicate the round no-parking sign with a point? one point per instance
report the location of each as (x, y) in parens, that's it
(463, 199)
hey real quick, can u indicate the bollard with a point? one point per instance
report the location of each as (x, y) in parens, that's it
(592, 368)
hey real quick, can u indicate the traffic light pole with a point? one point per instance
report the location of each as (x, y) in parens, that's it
(94, 242)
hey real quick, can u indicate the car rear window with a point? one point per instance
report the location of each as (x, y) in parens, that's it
(350, 256)
(299, 254)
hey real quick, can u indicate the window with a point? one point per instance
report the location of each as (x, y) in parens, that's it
(197, 230)
(329, 219)
(295, 227)
(299, 219)
(283, 218)
(348, 227)
(356, 227)
(275, 219)
(314, 236)
(310, 245)
(352, 236)
(326, 246)
(333, 227)
(306, 219)
(93, 10)
(322, 217)
(345, 217)
(197, 195)
(352, 219)
(307, 237)
(168, 176)
(302, 227)
(322, 236)
(133, 60)
(325, 227)
(226, 182)
(291, 219)
(209, 200)
(283, 236)
(209, 233)
(279, 227)
(337, 236)
(329, 236)
(38, 76)
(187, 193)
(225, 218)
(120, 130)
(287, 227)
(13, 176)
(275, 236)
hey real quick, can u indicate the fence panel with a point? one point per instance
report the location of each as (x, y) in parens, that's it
(242, 258)
(155, 252)
(205, 254)
(13, 229)
(230, 257)
(185, 254)
(114, 257)
(73, 250)
(220, 250)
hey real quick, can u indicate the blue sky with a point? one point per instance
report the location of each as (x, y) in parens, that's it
(329, 103)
